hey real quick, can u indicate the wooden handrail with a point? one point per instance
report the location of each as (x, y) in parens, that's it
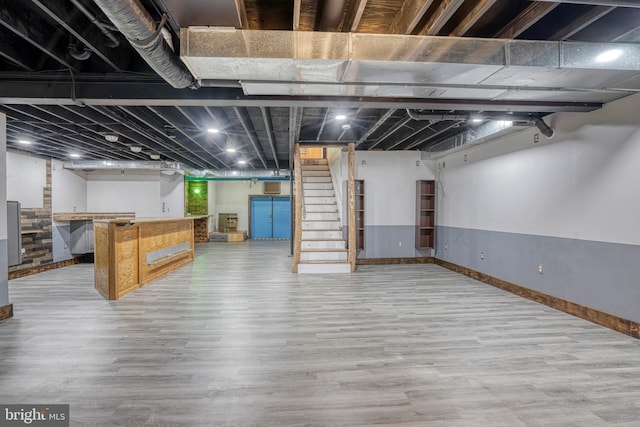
(297, 240)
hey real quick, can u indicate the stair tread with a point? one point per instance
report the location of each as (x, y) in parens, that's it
(324, 240)
(323, 262)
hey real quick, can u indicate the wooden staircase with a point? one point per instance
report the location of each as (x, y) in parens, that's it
(323, 248)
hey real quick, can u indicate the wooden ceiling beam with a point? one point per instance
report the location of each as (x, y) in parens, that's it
(528, 17)
(582, 22)
(355, 15)
(440, 17)
(409, 16)
(472, 17)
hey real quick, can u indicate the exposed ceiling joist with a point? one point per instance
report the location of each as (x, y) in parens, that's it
(615, 3)
(409, 16)
(440, 17)
(375, 126)
(532, 14)
(395, 128)
(266, 116)
(413, 134)
(582, 22)
(249, 132)
(354, 15)
(296, 14)
(60, 12)
(478, 11)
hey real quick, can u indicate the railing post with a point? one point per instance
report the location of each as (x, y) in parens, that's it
(351, 194)
(297, 235)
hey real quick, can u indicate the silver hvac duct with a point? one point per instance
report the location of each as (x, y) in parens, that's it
(168, 168)
(135, 23)
(529, 120)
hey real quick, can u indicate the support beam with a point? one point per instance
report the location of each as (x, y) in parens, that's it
(324, 121)
(266, 116)
(409, 16)
(633, 35)
(418, 144)
(12, 51)
(582, 22)
(296, 14)
(478, 11)
(6, 309)
(440, 17)
(528, 17)
(294, 132)
(297, 211)
(249, 132)
(242, 14)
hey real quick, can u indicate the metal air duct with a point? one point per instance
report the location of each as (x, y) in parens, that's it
(135, 23)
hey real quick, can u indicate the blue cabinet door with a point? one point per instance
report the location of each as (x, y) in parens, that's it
(281, 218)
(270, 217)
(261, 218)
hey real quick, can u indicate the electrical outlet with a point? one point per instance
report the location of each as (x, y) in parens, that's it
(540, 269)
(536, 138)
(446, 247)
(400, 244)
(481, 255)
(465, 157)
(24, 251)
(65, 246)
(418, 163)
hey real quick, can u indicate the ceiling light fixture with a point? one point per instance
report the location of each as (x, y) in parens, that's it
(74, 155)
(24, 141)
(231, 150)
(346, 126)
(213, 130)
(609, 55)
(341, 117)
(111, 138)
(135, 148)
(242, 162)
(154, 156)
(476, 120)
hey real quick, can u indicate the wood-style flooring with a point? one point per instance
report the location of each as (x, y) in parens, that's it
(236, 339)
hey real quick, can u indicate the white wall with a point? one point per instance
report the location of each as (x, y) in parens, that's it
(172, 195)
(135, 191)
(390, 185)
(581, 184)
(233, 197)
(68, 189)
(26, 179)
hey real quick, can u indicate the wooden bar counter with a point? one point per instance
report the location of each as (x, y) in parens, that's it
(132, 252)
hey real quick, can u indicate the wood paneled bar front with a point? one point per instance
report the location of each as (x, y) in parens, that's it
(132, 252)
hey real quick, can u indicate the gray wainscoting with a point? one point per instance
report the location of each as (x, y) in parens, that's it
(604, 276)
(389, 241)
(4, 287)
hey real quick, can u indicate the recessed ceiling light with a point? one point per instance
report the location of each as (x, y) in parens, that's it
(231, 150)
(346, 126)
(24, 141)
(154, 156)
(135, 148)
(213, 130)
(111, 138)
(74, 155)
(476, 120)
(341, 117)
(610, 55)
(242, 162)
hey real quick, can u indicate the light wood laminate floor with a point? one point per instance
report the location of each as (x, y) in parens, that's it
(235, 339)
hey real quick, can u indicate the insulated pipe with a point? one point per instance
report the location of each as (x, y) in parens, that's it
(536, 121)
(135, 23)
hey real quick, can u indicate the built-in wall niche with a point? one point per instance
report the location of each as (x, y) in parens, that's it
(196, 198)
